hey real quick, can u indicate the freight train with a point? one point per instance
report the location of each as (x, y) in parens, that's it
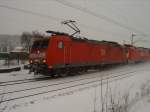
(62, 53)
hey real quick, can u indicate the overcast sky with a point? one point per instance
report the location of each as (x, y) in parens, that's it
(113, 20)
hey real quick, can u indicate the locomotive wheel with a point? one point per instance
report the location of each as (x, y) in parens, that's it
(52, 73)
(62, 72)
(75, 71)
(36, 72)
(63, 75)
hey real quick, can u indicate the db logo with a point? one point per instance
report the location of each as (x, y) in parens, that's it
(103, 52)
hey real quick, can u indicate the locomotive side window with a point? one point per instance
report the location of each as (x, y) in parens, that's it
(60, 44)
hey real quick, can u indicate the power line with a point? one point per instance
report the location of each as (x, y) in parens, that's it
(69, 4)
(52, 17)
(31, 12)
(46, 16)
(124, 16)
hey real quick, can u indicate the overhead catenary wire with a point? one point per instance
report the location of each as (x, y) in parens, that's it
(69, 4)
(47, 16)
(31, 12)
(82, 9)
(124, 16)
(100, 16)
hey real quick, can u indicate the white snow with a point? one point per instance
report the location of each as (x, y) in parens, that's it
(80, 98)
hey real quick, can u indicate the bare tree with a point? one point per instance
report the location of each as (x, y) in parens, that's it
(4, 45)
(37, 34)
(26, 38)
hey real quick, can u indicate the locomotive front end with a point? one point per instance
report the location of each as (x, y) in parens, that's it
(37, 57)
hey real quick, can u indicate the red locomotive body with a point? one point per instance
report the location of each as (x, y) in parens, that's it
(132, 54)
(144, 54)
(136, 54)
(62, 53)
(115, 53)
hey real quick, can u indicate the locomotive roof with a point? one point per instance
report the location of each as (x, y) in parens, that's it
(105, 42)
(85, 39)
(79, 39)
(143, 48)
(57, 33)
(111, 42)
(95, 41)
(129, 45)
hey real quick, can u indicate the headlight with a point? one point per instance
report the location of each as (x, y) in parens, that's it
(44, 60)
(31, 61)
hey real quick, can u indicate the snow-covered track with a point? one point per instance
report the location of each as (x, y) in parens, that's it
(69, 84)
(42, 78)
(21, 81)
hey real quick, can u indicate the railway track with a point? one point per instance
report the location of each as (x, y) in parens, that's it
(88, 80)
(30, 80)
(51, 85)
(14, 82)
(21, 81)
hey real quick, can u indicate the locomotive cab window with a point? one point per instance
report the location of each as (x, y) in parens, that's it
(60, 44)
(40, 43)
(44, 44)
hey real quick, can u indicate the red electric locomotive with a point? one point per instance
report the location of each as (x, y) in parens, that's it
(144, 54)
(136, 54)
(132, 54)
(62, 53)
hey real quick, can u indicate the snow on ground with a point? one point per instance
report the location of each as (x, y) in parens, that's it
(141, 106)
(82, 98)
(12, 64)
(2, 62)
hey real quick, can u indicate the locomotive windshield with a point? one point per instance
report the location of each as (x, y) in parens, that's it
(40, 43)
